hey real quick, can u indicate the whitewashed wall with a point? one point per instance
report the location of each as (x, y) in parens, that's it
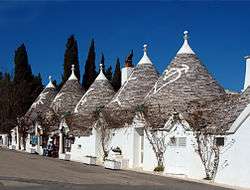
(13, 139)
(4, 141)
(83, 146)
(123, 138)
(234, 165)
(183, 160)
(178, 160)
(149, 160)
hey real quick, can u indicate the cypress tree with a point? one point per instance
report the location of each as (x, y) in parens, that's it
(70, 58)
(116, 80)
(26, 86)
(90, 70)
(108, 73)
(22, 70)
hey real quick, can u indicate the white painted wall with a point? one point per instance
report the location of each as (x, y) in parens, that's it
(86, 146)
(149, 161)
(83, 146)
(178, 160)
(126, 71)
(247, 72)
(4, 140)
(234, 166)
(123, 138)
(183, 160)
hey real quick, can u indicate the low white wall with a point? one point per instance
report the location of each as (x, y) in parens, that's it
(234, 165)
(123, 138)
(83, 146)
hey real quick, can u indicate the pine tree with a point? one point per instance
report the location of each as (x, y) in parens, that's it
(116, 80)
(70, 58)
(108, 73)
(90, 70)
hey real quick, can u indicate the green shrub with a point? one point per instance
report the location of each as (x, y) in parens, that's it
(159, 169)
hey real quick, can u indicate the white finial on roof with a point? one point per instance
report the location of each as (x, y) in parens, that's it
(145, 48)
(145, 59)
(101, 76)
(50, 84)
(72, 76)
(185, 48)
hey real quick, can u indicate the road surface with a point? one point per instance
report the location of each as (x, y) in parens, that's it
(22, 171)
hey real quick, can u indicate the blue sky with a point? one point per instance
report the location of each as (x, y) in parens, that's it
(219, 33)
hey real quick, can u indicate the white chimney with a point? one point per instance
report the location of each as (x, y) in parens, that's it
(247, 74)
(126, 72)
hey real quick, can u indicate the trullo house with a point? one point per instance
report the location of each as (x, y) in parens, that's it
(233, 168)
(35, 119)
(120, 113)
(63, 105)
(82, 122)
(184, 83)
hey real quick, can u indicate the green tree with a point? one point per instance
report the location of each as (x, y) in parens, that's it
(22, 70)
(116, 80)
(90, 70)
(108, 73)
(70, 58)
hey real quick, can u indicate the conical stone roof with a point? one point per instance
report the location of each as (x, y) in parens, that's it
(69, 95)
(42, 103)
(185, 80)
(97, 96)
(143, 77)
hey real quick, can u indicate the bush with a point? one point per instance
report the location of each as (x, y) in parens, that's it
(159, 169)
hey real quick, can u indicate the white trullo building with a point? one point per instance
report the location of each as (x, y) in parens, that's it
(119, 113)
(34, 120)
(185, 82)
(62, 106)
(36, 117)
(82, 123)
(234, 167)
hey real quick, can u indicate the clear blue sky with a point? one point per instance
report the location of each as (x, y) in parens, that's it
(219, 33)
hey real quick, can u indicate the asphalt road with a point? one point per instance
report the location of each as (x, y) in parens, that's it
(22, 171)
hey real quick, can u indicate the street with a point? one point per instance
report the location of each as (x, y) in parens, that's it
(26, 171)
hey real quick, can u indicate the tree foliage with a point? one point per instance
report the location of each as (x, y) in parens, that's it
(116, 79)
(70, 58)
(90, 70)
(17, 93)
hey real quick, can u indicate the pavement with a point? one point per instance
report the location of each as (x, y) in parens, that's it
(22, 171)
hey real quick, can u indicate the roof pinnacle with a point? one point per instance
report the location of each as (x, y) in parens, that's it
(145, 48)
(185, 48)
(50, 84)
(101, 67)
(72, 76)
(185, 35)
(145, 59)
(101, 76)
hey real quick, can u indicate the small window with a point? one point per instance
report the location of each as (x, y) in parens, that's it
(172, 141)
(220, 141)
(182, 141)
